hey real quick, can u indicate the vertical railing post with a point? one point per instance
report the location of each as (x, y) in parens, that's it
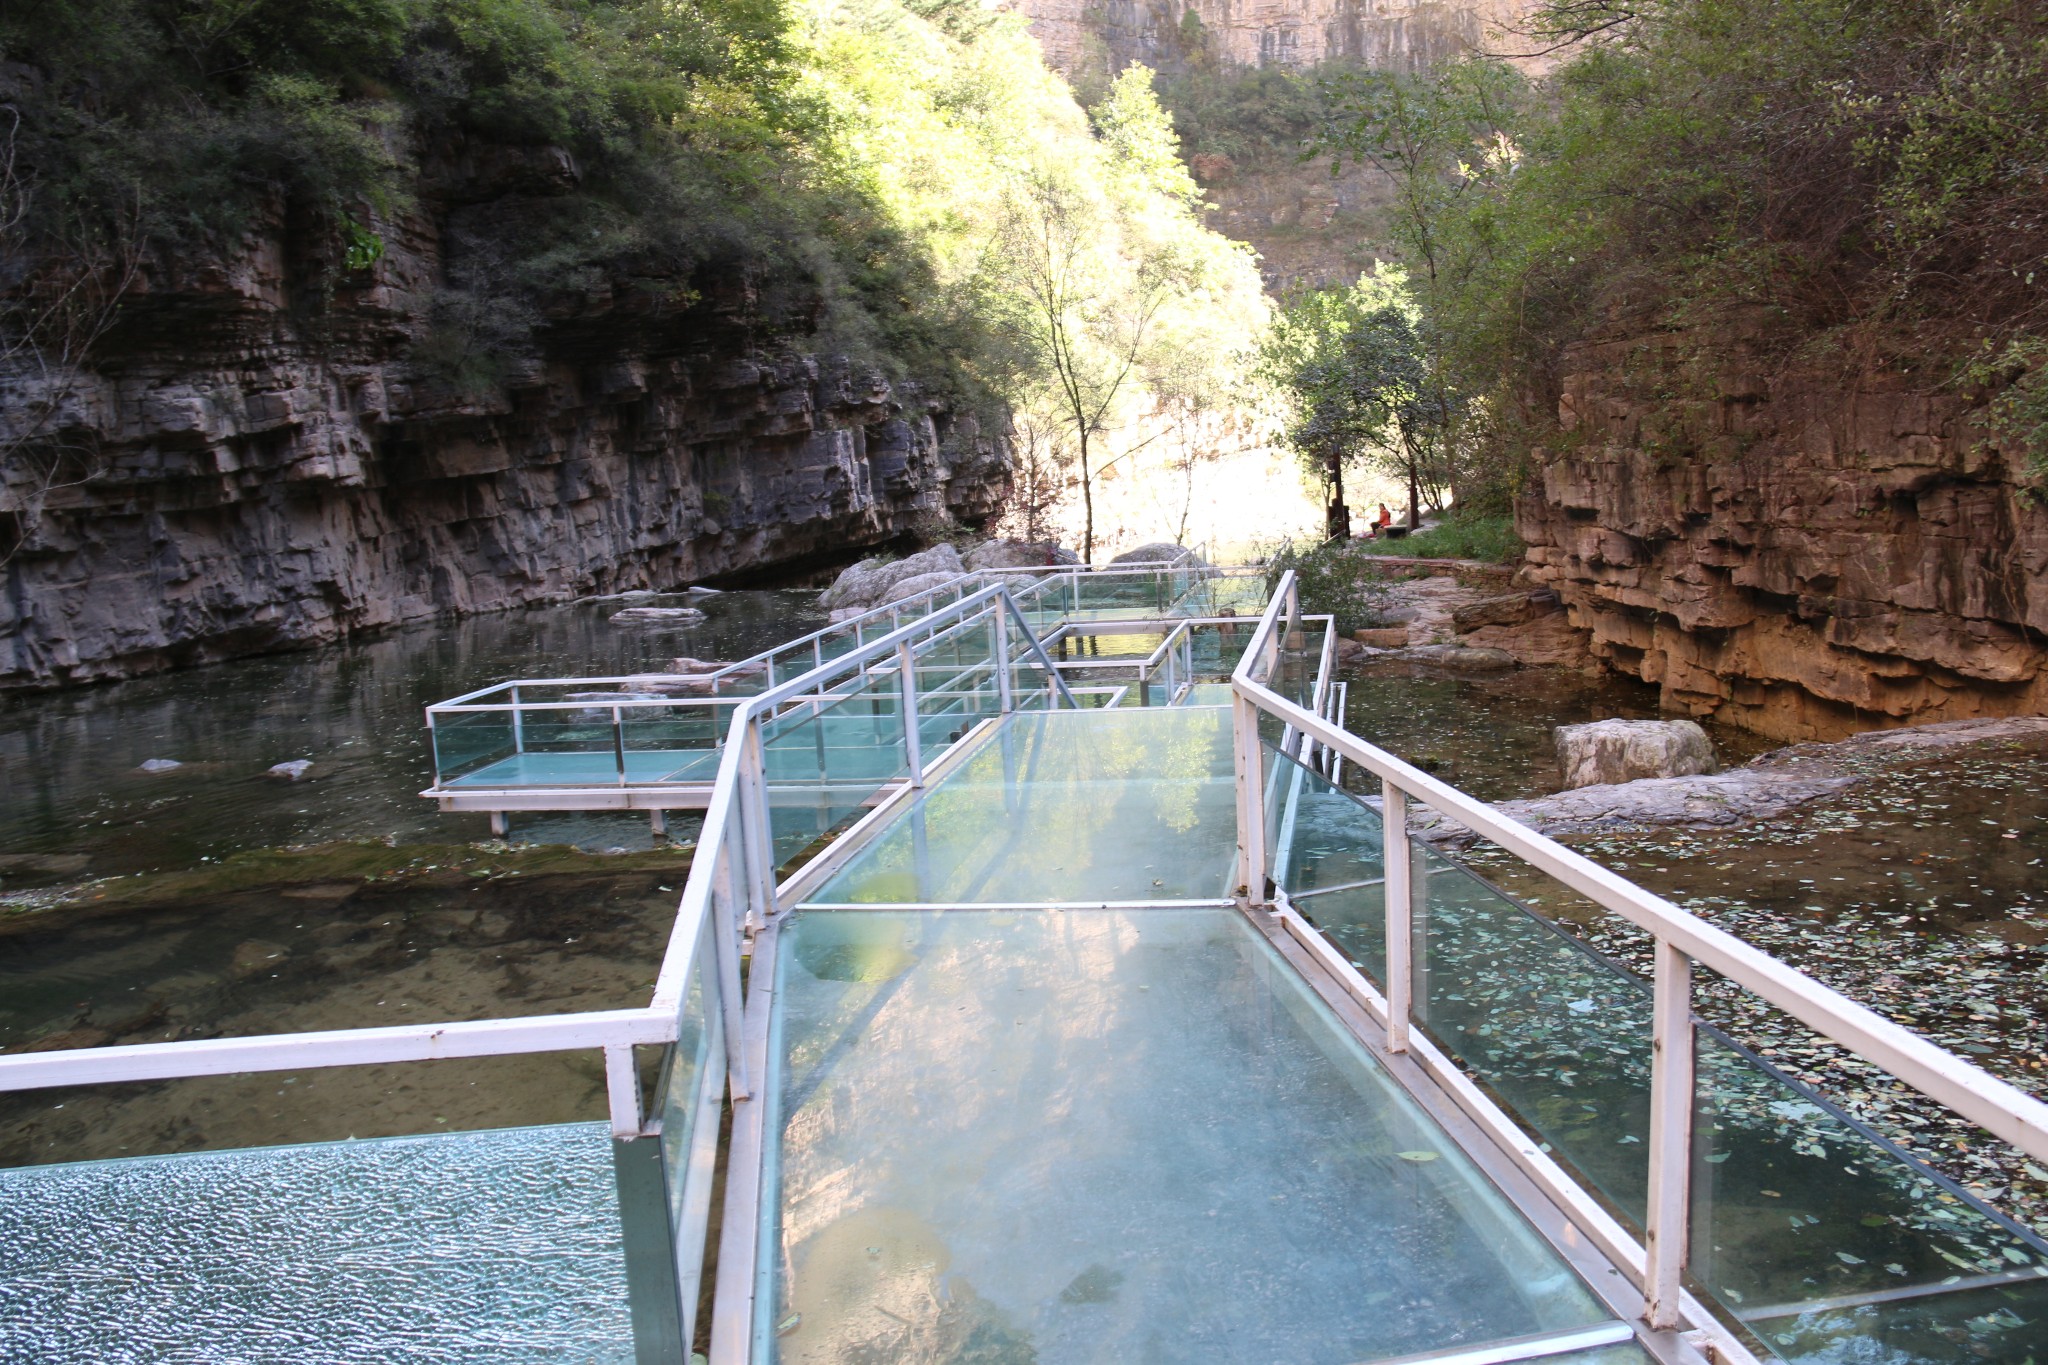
(725, 939)
(1250, 772)
(757, 831)
(622, 1089)
(1006, 701)
(619, 743)
(518, 722)
(1398, 856)
(913, 742)
(1671, 1105)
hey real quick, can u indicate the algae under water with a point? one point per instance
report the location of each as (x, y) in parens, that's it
(213, 901)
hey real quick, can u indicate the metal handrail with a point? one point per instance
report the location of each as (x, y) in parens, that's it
(616, 1032)
(1681, 939)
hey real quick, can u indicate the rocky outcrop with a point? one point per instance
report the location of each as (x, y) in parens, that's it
(271, 468)
(1608, 751)
(1398, 34)
(1762, 789)
(1785, 550)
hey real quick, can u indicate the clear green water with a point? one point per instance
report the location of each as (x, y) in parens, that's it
(355, 709)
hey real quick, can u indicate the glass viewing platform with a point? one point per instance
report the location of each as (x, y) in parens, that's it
(1043, 991)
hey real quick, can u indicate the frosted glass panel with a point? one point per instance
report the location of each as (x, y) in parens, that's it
(472, 1247)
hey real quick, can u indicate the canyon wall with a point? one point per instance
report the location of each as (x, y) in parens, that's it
(1108, 35)
(1772, 544)
(269, 468)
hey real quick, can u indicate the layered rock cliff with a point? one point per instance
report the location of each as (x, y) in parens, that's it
(1780, 547)
(1398, 34)
(271, 466)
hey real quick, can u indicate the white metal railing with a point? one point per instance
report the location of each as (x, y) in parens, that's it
(731, 884)
(1681, 940)
(687, 711)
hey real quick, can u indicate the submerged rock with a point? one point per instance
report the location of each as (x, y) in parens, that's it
(1609, 751)
(158, 765)
(290, 771)
(670, 616)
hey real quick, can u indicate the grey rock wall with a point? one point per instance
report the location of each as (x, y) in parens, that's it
(261, 480)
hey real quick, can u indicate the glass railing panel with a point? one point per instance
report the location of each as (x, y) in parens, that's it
(1323, 838)
(1065, 805)
(1559, 1035)
(826, 758)
(467, 743)
(1824, 1237)
(679, 742)
(691, 1092)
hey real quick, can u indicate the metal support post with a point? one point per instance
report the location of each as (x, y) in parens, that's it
(1005, 702)
(1251, 801)
(757, 832)
(1671, 1104)
(653, 1301)
(622, 1089)
(913, 745)
(725, 945)
(619, 743)
(657, 822)
(501, 824)
(1398, 855)
(518, 722)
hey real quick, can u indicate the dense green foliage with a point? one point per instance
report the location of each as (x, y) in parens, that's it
(1860, 176)
(849, 167)
(1357, 373)
(1332, 579)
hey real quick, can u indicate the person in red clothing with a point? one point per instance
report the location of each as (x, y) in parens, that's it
(1386, 519)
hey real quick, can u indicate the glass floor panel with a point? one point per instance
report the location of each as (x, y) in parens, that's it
(1121, 805)
(1054, 1136)
(491, 1246)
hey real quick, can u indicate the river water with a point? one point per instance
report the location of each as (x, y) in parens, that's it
(212, 900)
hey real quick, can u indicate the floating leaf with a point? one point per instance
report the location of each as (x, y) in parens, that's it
(1846, 1259)
(1417, 1157)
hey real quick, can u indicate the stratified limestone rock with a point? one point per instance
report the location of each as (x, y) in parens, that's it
(1784, 550)
(1607, 751)
(269, 474)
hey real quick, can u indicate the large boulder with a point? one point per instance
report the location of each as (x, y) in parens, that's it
(1019, 554)
(1158, 552)
(1510, 610)
(1609, 751)
(906, 588)
(868, 583)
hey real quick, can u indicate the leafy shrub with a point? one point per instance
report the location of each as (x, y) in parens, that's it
(1488, 538)
(1333, 579)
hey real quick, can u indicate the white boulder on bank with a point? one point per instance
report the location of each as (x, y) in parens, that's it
(871, 582)
(1157, 552)
(1604, 752)
(667, 616)
(1019, 554)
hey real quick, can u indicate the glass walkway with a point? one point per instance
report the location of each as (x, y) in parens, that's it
(1039, 994)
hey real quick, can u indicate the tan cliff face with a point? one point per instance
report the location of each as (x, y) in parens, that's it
(1786, 550)
(1400, 34)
